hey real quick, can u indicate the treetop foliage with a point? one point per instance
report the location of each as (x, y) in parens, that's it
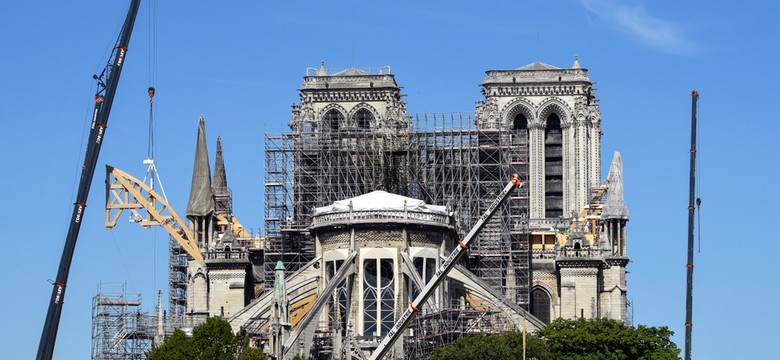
(580, 339)
(211, 340)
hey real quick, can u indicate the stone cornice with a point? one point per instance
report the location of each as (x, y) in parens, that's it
(350, 95)
(579, 271)
(552, 75)
(579, 263)
(227, 276)
(321, 82)
(533, 90)
(617, 261)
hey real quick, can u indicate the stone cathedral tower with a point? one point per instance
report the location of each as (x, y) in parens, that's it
(576, 223)
(558, 112)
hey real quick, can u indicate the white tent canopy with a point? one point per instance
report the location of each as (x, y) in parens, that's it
(380, 200)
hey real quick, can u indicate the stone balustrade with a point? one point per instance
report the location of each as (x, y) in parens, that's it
(369, 216)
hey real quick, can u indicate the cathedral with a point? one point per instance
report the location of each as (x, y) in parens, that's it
(364, 201)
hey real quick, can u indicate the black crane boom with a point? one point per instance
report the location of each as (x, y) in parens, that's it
(104, 98)
(691, 210)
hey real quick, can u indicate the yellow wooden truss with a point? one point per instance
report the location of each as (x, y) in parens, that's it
(124, 192)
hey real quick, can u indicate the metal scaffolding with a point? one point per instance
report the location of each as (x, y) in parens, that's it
(461, 318)
(119, 329)
(439, 158)
(177, 278)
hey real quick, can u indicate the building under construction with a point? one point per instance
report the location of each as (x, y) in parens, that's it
(351, 135)
(363, 202)
(120, 330)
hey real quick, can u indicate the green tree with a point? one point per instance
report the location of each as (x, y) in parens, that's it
(508, 345)
(578, 339)
(212, 340)
(583, 339)
(249, 353)
(176, 347)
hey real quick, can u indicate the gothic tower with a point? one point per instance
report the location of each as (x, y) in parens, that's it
(349, 131)
(557, 112)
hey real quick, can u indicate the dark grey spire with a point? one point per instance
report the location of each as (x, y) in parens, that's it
(220, 179)
(201, 198)
(615, 207)
(222, 196)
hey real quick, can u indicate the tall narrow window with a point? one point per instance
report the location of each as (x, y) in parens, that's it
(425, 268)
(337, 313)
(378, 296)
(541, 305)
(332, 120)
(553, 167)
(519, 161)
(363, 119)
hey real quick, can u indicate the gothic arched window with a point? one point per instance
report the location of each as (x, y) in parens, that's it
(363, 119)
(378, 296)
(520, 122)
(332, 120)
(519, 162)
(541, 305)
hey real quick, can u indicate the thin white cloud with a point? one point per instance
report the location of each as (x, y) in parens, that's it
(631, 18)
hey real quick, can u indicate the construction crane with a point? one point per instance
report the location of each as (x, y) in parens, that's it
(416, 305)
(107, 83)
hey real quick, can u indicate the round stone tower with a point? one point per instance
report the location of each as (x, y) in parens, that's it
(380, 248)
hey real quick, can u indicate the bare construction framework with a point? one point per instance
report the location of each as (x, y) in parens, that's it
(439, 158)
(460, 319)
(119, 329)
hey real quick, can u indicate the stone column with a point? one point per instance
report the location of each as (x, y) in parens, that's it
(594, 156)
(536, 170)
(583, 180)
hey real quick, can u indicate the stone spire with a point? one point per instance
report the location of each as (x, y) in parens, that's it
(223, 199)
(322, 71)
(615, 207)
(220, 179)
(201, 198)
(280, 294)
(576, 64)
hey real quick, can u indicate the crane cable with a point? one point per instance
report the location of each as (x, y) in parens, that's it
(79, 159)
(150, 147)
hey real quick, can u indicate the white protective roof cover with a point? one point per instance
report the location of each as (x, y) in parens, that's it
(538, 65)
(380, 200)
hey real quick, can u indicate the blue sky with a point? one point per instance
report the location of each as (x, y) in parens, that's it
(239, 64)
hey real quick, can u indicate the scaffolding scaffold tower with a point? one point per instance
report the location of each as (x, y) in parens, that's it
(119, 329)
(439, 158)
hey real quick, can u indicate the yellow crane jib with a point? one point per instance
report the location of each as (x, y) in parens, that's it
(148, 208)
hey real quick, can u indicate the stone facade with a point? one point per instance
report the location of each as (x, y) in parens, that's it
(366, 264)
(582, 273)
(347, 92)
(536, 92)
